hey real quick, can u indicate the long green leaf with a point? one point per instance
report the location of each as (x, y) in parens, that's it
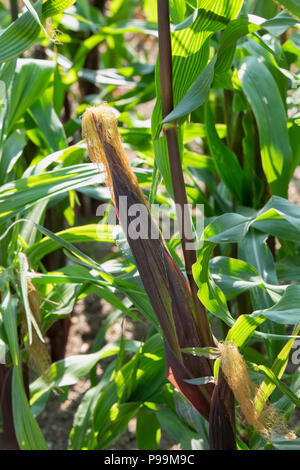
(83, 233)
(292, 6)
(20, 195)
(234, 276)
(24, 31)
(31, 321)
(243, 330)
(277, 370)
(209, 293)
(69, 370)
(287, 310)
(190, 51)
(226, 161)
(20, 34)
(28, 433)
(30, 81)
(196, 96)
(264, 97)
(279, 217)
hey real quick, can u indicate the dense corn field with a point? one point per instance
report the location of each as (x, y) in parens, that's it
(150, 225)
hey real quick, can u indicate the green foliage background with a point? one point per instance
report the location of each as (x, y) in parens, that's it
(236, 105)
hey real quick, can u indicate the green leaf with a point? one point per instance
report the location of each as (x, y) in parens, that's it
(81, 432)
(209, 352)
(148, 431)
(234, 31)
(48, 122)
(209, 293)
(177, 10)
(20, 195)
(234, 276)
(9, 316)
(54, 7)
(28, 233)
(280, 218)
(227, 228)
(131, 287)
(31, 9)
(254, 249)
(283, 444)
(267, 386)
(135, 382)
(265, 9)
(122, 243)
(279, 24)
(288, 269)
(2, 92)
(24, 31)
(196, 96)
(83, 233)
(28, 433)
(264, 97)
(7, 72)
(243, 330)
(276, 382)
(30, 319)
(178, 430)
(71, 369)
(29, 83)
(287, 310)
(113, 394)
(201, 380)
(292, 6)
(190, 53)
(193, 130)
(59, 301)
(12, 151)
(294, 134)
(195, 160)
(149, 372)
(118, 418)
(19, 35)
(226, 162)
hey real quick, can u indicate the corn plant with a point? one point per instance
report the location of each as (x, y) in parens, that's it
(222, 308)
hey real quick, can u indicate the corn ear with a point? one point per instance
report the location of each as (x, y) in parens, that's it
(37, 350)
(167, 288)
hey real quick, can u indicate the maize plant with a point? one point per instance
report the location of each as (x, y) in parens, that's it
(181, 118)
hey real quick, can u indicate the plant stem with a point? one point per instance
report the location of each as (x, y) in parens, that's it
(13, 9)
(180, 197)
(227, 114)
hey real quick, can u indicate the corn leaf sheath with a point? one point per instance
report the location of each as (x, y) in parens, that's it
(222, 427)
(222, 411)
(178, 184)
(167, 288)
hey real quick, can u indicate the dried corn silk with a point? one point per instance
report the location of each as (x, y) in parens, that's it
(267, 422)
